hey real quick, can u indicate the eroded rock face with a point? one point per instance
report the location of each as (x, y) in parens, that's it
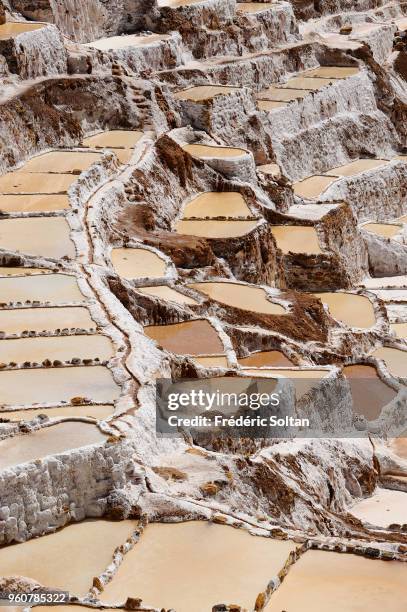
(2, 14)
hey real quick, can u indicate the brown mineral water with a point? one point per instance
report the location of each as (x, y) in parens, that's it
(370, 394)
(190, 338)
(264, 359)
(217, 204)
(249, 298)
(350, 309)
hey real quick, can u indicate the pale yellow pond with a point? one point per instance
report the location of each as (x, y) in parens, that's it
(395, 360)
(204, 92)
(99, 412)
(56, 288)
(309, 83)
(313, 186)
(216, 361)
(69, 558)
(215, 229)
(357, 166)
(341, 583)
(33, 202)
(47, 236)
(296, 239)
(138, 263)
(269, 105)
(249, 298)
(383, 508)
(58, 347)
(332, 72)
(122, 42)
(11, 271)
(212, 151)
(277, 94)
(61, 162)
(25, 182)
(13, 28)
(386, 230)
(400, 329)
(113, 139)
(217, 204)
(196, 337)
(218, 564)
(253, 7)
(51, 440)
(18, 320)
(167, 293)
(53, 385)
(350, 309)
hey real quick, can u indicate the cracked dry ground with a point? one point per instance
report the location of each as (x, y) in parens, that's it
(203, 189)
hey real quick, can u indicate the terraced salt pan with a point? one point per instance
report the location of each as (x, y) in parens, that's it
(307, 83)
(55, 288)
(395, 360)
(400, 329)
(332, 72)
(269, 105)
(370, 394)
(69, 558)
(217, 204)
(217, 361)
(138, 263)
(18, 320)
(386, 230)
(296, 239)
(123, 42)
(313, 186)
(265, 359)
(26, 387)
(385, 281)
(97, 412)
(342, 583)
(46, 236)
(11, 271)
(302, 379)
(245, 297)
(48, 441)
(253, 7)
(61, 162)
(33, 202)
(218, 563)
(357, 166)
(55, 347)
(190, 338)
(166, 293)
(25, 183)
(211, 151)
(399, 446)
(278, 94)
(350, 309)
(177, 3)
(215, 229)
(204, 92)
(12, 29)
(113, 139)
(383, 508)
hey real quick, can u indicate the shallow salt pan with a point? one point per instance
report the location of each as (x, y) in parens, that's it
(166, 293)
(48, 441)
(123, 42)
(55, 288)
(213, 151)
(38, 319)
(58, 347)
(33, 203)
(254, 7)
(400, 329)
(61, 162)
(217, 361)
(357, 166)
(113, 139)
(386, 230)
(204, 92)
(383, 508)
(343, 582)
(352, 310)
(215, 229)
(24, 182)
(395, 360)
(217, 563)
(11, 29)
(308, 83)
(53, 385)
(370, 394)
(264, 359)
(138, 263)
(196, 337)
(11, 271)
(304, 380)
(277, 94)
(217, 204)
(69, 558)
(296, 239)
(268, 105)
(98, 412)
(44, 236)
(332, 72)
(313, 186)
(249, 298)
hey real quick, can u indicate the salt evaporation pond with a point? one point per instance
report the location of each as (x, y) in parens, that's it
(61, 162)
(99, 412)
(395, 360)
(264, 359)
(17, 320)
(213, 151)
(296, 238)
(383, 508)
(370, 394)
(33, 202)
(42, 236)
(216, 229)
(217, 204)
(138, 263)
(245, 297)
(62, 348)
(196, 337)
(168, 294)
(350, 309)
(55, 288)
